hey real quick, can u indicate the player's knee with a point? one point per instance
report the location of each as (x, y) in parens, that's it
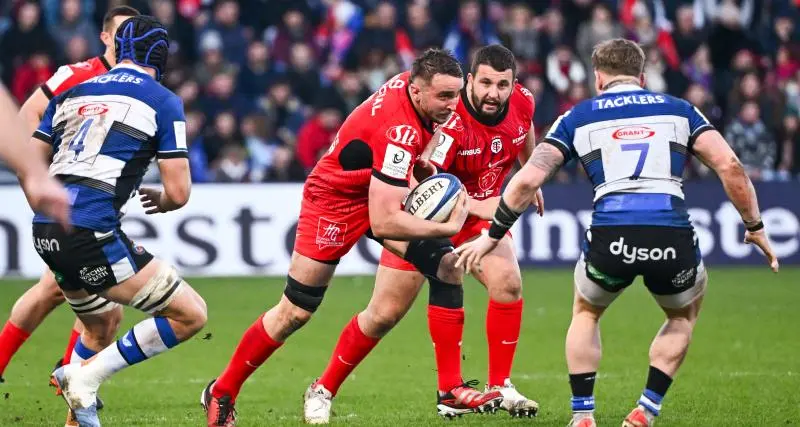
(304, 296)
(506, 287)
(381, 320)
(48, 292)
(446, 295)
(434, 259)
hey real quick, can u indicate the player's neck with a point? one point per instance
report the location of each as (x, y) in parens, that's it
(110, 57)
(617, 81)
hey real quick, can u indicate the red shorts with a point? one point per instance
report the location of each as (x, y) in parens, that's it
(472, 228)
(326, 235)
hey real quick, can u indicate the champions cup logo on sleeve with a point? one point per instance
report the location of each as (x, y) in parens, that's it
(330, 233)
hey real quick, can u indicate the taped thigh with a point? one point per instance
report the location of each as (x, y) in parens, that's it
(91, 305)
(159, 291)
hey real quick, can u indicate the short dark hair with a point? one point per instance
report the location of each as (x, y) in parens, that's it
(112, 13)
(496, 56)
(618, 57)
(435, 61)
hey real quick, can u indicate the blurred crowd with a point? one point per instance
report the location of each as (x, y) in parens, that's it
(267, 83)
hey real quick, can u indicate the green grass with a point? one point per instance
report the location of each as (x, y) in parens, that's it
(743, 368)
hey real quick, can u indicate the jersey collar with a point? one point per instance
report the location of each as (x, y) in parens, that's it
(105, 63)
(133, 67)
(623, 88)
(496, 120)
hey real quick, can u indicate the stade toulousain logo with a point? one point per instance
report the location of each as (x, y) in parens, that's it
(633, 133)
(92, 109)
(402, 134)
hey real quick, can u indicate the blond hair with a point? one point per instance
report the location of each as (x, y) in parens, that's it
(618, 57)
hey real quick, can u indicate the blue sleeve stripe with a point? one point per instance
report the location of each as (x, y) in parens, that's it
(702, 129)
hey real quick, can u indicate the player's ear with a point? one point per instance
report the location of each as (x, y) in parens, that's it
(470, 78)
(598, 82)
(107, 38)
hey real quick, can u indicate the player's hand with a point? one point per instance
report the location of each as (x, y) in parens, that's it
(423, 169)
(470, 253)
(48, 196)
(151, 201)
(460, 212)
(759, 238)
(538, 201)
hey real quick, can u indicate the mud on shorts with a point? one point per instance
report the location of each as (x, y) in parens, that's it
(668, 259)
(88, 259)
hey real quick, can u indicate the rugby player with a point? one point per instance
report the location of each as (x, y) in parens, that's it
(30, 309)
(479, 144)
(633, 144)
(102, 135)
(357, 189)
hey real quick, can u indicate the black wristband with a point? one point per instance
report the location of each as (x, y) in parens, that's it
(755, 227)
(504, 219)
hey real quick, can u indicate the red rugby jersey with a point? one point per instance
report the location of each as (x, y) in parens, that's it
(69, 76)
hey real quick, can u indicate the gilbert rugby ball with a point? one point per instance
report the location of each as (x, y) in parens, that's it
(434, 198)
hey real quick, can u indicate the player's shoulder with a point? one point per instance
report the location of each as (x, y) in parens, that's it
(522, 96)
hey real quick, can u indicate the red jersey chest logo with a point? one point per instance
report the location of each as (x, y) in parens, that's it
(496, 145)
(489, 178)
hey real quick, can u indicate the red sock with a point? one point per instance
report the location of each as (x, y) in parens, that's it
(503, 322)
(73, 338)
(11, 339)
(253, 350)
(446, 326)
(352, 348)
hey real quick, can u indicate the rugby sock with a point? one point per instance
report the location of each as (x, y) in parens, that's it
(582, 391)
(11, 339)
(253, 350)
(657, 385)
(446, 326)
(80, 353)
(352, 347)
(73, 338)
(146, 339)
(503, 322)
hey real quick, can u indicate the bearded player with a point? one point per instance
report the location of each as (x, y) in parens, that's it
(357, 189)
(42, 298)
(490, 129)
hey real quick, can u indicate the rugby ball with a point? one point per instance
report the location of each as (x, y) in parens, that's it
(434, 198)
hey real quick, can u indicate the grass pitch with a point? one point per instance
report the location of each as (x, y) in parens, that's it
(743, 368)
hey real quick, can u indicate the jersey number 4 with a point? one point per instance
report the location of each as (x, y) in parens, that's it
(76, 144)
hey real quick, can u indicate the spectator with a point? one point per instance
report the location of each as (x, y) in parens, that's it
(30, 75)
(27, 34)
(469, 30)
(546, 104)
(182, 35)
(73, 23)
(423, 32)
(564, 68)
(220, 95)
(520, 32)
(699, 69)
(338, 31)
(576, 93)
(77, 50)
(783, 31)
(687, 36)
(213, 61)
(750, 89)
(701, 98)
(554, 33)
(785, 65)
(269, 159)
(189, 91)
(654, 69)
(792, 91)
(316, 136)
(232, 166)
(346, 93)
(52, 11)
(381, 33)
(232, 34)
(285, 111)
(642, 31)
(223, 133)
(198, 159)
(752, 143)
(600, 28)
(303, 73)
(258, 73)
(294, 28)
(789, 138)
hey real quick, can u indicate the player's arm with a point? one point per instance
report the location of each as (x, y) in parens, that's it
(173, 162)
(33, 109)
(712, 149)
(389, 221)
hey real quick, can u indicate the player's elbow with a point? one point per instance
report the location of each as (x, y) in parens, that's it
(380, 229)
(730, 168)
(179, 194)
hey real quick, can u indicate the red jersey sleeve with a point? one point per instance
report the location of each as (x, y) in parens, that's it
(451, 137)
(393, 153)
(69, 76)
(530, 104)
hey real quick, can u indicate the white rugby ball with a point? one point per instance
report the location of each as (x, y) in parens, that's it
(434, 198)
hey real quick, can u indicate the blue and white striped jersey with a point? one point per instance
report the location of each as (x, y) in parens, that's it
(633, 144)
(105, 133)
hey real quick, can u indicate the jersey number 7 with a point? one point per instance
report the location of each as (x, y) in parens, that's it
(642, 148)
